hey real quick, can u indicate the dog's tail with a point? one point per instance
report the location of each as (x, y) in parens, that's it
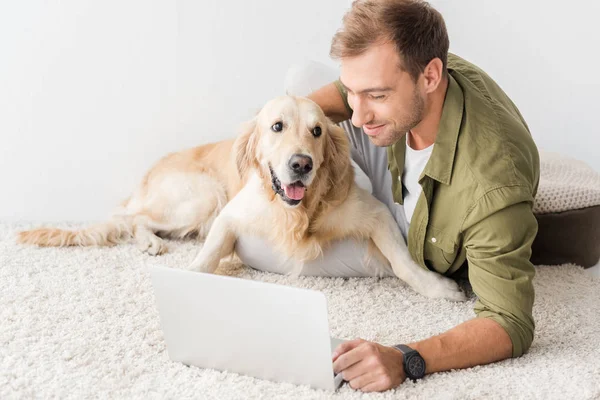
(117, 230)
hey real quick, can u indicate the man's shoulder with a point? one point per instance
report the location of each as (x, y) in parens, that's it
(457, 63)
(494, 144)
(481, 90)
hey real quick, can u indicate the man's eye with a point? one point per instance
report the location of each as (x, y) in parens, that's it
(277, 127)
(378, 97)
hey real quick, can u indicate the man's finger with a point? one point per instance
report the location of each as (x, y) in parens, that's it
(365, 380)
(375, 386)
(356, 370)
(345, 347)
(350, 357)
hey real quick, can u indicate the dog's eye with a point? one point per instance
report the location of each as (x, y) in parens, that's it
(277, 127)
(316, 131)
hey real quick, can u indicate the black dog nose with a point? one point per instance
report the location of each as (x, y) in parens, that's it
(300, 164)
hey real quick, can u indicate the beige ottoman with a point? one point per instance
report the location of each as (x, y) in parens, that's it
(567, 207)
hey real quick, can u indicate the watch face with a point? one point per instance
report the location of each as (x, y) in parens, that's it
(416, 366)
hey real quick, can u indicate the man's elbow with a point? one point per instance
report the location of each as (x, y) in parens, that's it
(525, 339)
(520, 332)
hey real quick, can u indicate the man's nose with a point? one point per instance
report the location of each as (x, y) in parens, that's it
(300, 164)
(361, 115)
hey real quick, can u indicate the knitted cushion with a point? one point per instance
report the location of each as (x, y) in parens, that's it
(565, 184)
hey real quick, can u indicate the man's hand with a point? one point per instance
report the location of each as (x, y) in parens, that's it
(369, 366)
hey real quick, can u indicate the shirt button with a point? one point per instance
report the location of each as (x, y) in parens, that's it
(433, 240)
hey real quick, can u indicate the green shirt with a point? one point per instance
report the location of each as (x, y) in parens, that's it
(476, 206)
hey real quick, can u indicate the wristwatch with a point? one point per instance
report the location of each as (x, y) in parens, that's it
(414, 365)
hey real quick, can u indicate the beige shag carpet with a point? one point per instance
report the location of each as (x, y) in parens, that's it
(81, 323)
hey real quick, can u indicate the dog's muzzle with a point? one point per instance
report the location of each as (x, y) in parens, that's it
(292, 194)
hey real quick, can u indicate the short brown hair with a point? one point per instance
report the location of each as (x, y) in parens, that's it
(417, 30)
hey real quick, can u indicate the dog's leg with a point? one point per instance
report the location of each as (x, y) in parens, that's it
(145, 238)
(219, 243)
(388, 239)
(390, 242)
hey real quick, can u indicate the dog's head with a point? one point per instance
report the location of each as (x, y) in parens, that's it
(294, 146)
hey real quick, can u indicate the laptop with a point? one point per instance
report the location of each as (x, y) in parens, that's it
(260, 329)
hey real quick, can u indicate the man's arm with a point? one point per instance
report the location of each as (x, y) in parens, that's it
(331, 100)
(498, 251)
(371, 366)
(500, 271)
(475, 342)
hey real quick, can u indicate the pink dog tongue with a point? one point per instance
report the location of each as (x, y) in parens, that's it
(294, 191)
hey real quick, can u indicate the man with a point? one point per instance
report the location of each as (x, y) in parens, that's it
(460, 172)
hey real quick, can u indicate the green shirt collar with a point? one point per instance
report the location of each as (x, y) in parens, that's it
(439, 166)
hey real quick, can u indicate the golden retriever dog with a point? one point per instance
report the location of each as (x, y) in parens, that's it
(286, 178)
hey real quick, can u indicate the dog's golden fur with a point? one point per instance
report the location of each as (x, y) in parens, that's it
(302, 226)
(223, 190)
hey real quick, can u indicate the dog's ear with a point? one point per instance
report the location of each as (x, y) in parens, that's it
(337, 152)
(337, 162)
(244, 147)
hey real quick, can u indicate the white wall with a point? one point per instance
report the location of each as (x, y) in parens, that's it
(93, 92)
(87, 99)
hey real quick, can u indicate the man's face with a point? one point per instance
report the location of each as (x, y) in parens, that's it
(386, 102)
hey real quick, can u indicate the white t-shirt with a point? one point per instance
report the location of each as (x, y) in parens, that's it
(414, 163)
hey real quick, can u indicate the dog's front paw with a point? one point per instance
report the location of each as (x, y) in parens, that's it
(200, 264)
(200, 268)
(441, 287)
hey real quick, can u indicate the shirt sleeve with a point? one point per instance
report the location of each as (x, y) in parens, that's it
(498, 247)
(344, 93)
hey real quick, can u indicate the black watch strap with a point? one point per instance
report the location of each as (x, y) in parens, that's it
(414, 364)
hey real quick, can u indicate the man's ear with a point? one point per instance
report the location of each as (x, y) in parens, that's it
(433, 74)
(244, 147)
